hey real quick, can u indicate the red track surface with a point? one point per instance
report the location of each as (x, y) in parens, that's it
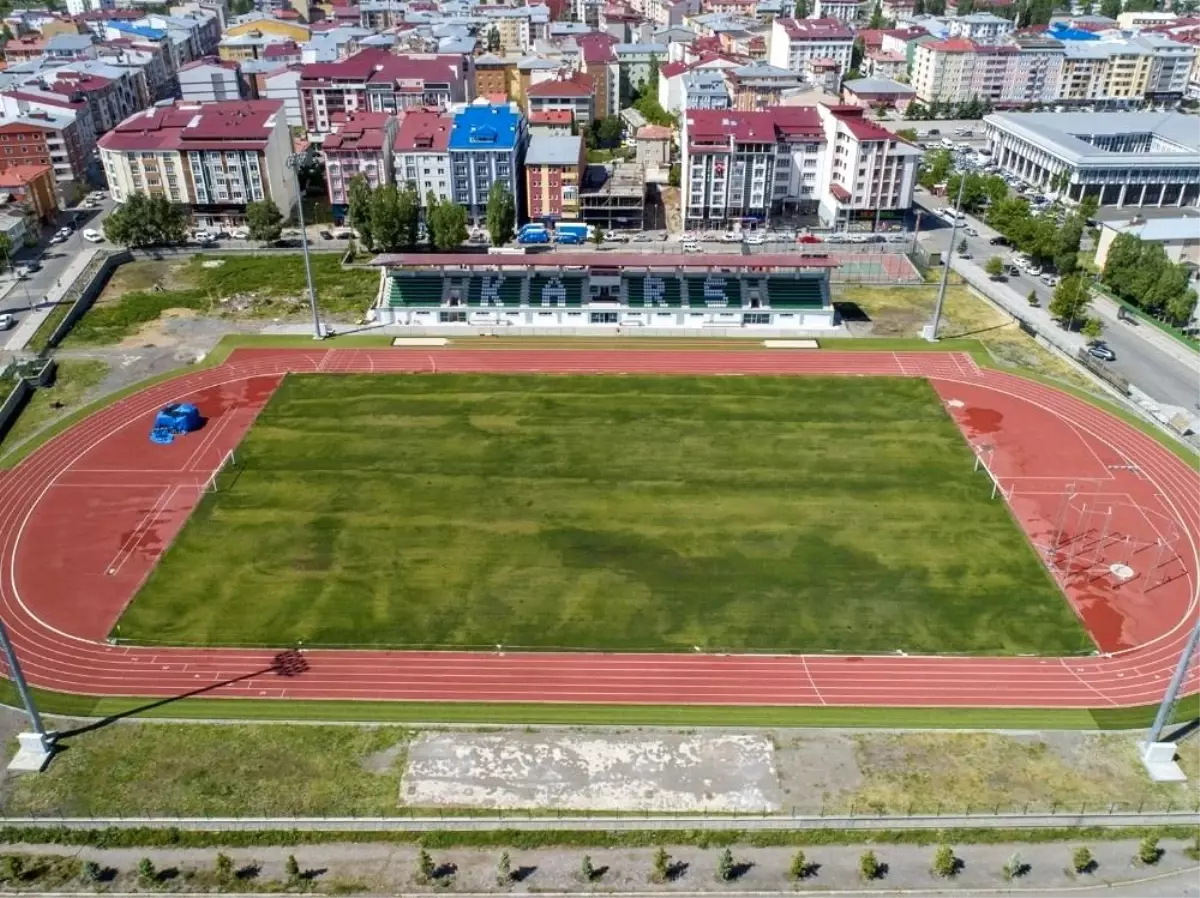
(84, 518)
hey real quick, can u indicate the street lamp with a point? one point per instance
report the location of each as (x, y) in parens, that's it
(35, 748)
(931, 336)
(295, 162)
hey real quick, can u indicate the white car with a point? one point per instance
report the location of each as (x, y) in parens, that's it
(201, 237)
(93, 236)
(754, 240)
(240, 234)
(7, 321)
(731, 237)
(691, 246)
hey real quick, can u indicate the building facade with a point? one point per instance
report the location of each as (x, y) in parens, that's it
(795, 44)
(487, 146)
(553, 173)
(421, 152)
(214, 158)
(574, 93)
(359, 145)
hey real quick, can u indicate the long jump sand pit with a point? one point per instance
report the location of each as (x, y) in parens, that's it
(612, 772)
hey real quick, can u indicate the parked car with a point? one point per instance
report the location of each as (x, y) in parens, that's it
(325, 235)
(1102, 352)
(692, 247)
(57, 239)
(240, 234)
(999, 240)
(970, 232)
(754, 240)
(6, 321)
(93, 236)
(731, 237)
(808, 238)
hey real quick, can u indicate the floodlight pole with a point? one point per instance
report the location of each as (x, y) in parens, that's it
(294, 162)
(1168, 702)
(18, 678)
(941, 297)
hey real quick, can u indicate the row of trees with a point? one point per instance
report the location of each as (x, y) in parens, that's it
(1041, 237)
(945, 864)
(1140, 273)
(143, 221)
(974, 108)
(388, 218)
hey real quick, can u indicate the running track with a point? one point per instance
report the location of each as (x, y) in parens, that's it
(84, 518)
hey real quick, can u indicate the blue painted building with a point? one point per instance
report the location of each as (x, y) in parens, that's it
(487, 144)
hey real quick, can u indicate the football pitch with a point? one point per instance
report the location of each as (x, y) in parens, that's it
(609, 513)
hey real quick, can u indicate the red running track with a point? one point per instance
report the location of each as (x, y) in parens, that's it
(85, 517)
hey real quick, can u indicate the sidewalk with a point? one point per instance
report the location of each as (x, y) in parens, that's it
(41, 311)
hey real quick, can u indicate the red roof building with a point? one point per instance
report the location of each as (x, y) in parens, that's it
(360, 144)
(421, 152)
(31, 185)
(377, 81)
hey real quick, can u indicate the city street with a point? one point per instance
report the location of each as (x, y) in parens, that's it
(1163, 377)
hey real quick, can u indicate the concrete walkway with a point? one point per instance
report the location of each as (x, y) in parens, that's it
(30, 323)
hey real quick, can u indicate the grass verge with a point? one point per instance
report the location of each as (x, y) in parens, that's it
(235, 286)
(41, 337)
(217, 770)
(73, 380)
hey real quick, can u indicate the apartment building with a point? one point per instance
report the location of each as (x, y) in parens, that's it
(982, 28)
(493, 75)
(554, 169)
(572, 92)
(634, 62)
(361, 144)
(760, 85)
(111, 92)
(213, 157)
(43, 136)
(211, 80)
(516, 28)
(842, 10)
(421, 152)
(599, 61)
(796, 44)
(487, 145)
(377, 81)
(827, 161)
(31, 185)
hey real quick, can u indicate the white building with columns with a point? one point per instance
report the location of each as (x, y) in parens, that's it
(1134, 159)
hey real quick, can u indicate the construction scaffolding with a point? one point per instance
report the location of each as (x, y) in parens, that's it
(614, 197)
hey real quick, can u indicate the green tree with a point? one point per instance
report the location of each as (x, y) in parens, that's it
(1093, 328)
(597, 235)
(1110, 8)
(869, 867)
(962, 246)
(945, 864)
(994, 267)
(909, 134)
(264, 221)
(501, 214)
(652, 80)
(146, 873)
(291, 869)
(358, 212)
(587, 872)
(608, 132)
(1180, 308)
(1082, 860)
(5, 252)
(1070, 302)
(936, 168)
(493, 40)
(1014, 867)
(662, 865)
(11, 867)
(802, 9)
(447, 224)
(143, 221)
(798, 868)
(389, 230)
(1031, 299)
(92, 872)
(168, 222)
(877, 20)
(408, 209)
(725, 865)
(504, 870)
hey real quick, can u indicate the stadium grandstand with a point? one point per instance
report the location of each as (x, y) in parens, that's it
(764, 292)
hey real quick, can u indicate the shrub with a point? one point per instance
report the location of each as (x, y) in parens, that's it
(223, 867)
(945, 864)
(798, 869)
(1193, 850)
(291, 868)
(504, 870)
(869, 867)
(662, 865)
(586, 871)
(146, 873)
(1014, 867)
(1032, 298)
(425, 867)
(92, 872)
(1082, 860)
(1148, 851)
(11, 866)
(725, 865)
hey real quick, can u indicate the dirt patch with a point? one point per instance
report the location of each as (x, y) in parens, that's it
(136, 277)
(158, 332)
(386, 761)
(816, 769)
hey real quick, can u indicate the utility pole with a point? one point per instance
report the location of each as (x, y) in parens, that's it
(1168, 703)
(295, 162)
(941, 297)
(34, 751)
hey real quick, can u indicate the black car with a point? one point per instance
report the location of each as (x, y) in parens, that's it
(326, 235)
(999, 241)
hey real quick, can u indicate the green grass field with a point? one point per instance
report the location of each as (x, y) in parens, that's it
(743, 514)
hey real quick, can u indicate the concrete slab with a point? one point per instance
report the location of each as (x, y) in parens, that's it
(1159, 761)
(33, 754)
(662, 772)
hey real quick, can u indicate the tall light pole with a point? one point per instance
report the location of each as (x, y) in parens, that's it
(1168, 703)
(295, 162)
(35, 747)
(941, 297)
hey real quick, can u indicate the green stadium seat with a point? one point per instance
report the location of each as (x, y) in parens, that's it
(416, 290)
(714, 291)
(550, 290)
(501, 290)
(795, 292)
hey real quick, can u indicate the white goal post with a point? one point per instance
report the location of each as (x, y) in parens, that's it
(229, 460)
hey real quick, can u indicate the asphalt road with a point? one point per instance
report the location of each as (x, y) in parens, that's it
(1161, 376)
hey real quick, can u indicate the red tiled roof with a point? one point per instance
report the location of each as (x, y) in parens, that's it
(871, 37)
(372, 65)
(597, 47)
(839, 192)
(654, 132)
(580, 84)
(551, 117)
(880, 56)
(798, 121)
(358, 131)
(744, 127)
(21, 175)
(910, 33)
(671, 69)
(864, 130)
(202, 126)
(50, 99)
(954, 45)
(285, 48)
(209, 60)
(815, 29)
(69, 82)
(423, 130)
